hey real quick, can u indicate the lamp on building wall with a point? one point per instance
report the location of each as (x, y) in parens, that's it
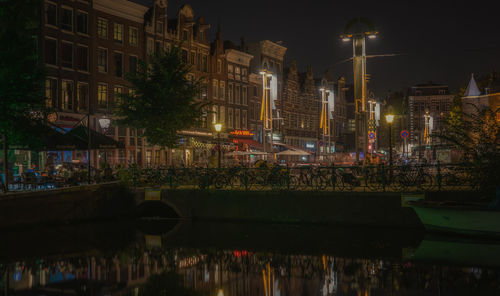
(105, 122)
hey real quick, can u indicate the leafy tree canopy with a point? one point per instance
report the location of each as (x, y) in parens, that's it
(21, 75)
(163, 100)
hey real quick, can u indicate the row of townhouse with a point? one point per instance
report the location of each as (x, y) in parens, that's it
(88, 46)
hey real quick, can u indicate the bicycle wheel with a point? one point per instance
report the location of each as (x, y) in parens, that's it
(399, 183)
(425, 182)
(318, 182)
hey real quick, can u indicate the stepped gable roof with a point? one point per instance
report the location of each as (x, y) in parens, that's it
(472, 89)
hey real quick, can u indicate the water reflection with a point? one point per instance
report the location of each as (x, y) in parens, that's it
(241, 259)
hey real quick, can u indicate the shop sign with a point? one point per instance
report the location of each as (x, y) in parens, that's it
(241, 133)
(310, 145)
(276, 137)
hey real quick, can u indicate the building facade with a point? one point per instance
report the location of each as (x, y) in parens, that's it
(429, 104)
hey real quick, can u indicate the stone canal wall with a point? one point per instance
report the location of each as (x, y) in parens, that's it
(66, 204)
(341, 208)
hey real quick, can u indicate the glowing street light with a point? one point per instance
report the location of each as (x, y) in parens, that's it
(221, 293)
(218, 128)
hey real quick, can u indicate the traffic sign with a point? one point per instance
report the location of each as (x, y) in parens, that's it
(371, 135)
(17, 276)
(404, 134)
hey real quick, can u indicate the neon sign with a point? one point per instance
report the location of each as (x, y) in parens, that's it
(241, 133)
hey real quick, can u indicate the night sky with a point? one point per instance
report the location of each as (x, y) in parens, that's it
(441, 41)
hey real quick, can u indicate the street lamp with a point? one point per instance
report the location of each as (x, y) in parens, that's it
(390, 118)
(221, 293)
(218, 128)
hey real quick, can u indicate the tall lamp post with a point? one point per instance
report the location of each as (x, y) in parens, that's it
(324, 123)
(266, 109)
(390, 118)
(218, 128)
(354, 32)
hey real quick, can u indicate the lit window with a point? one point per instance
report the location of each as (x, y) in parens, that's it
(102, 28)
(222, 90)
(118, 33)
(214, 89)
(50, 92)
(67, 94)
(133, 34)
(102, 96)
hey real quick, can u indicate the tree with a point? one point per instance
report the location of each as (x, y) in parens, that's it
(21, 74)
(163, 99)
(477, 136)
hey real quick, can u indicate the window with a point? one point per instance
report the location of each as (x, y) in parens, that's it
(102, 60)
(102, 28)
(50, 92)
(198, 62)
(158, 46)
(230, 117)
(230, 69)
(237, 119)
(82, 21)
(82, 96)
(244, 72)
(51, 51)
(237, 95)
(222, 90)
(118, 33)
(150, 45)
(222, 114)
(67, 19)
(66, 55)
(157, 157)
(82, 58)
(193, 55)
(102, 96)
(133, 36)
(159, 27)
(184, 56)
(214, 115)
(51, 14)
(244, 95)
(132, 64)
(118, 91)
(230, 93)
(205, 63)
(214, 89)
(244, 124)
(118, 64)
(67, 94)
(219, 66)
(185, 35)
(148, 157)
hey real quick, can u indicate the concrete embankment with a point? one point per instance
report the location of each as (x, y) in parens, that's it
(340, 208)
(65, 205)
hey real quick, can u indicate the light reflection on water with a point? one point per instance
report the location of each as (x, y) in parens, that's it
(197, 258)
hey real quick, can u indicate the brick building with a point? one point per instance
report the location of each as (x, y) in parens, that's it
(434, 99)
(301, 109)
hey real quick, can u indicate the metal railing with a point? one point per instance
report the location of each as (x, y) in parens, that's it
(334, 178)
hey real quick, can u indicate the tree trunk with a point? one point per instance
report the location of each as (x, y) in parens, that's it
(5, 162)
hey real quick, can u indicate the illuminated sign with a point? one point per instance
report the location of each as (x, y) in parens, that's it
(309, 145)
(243, 133)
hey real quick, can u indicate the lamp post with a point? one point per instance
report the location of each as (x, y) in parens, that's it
(324, 123)
(266, 109)
(218, 128)
(355, 33)
(390, 118)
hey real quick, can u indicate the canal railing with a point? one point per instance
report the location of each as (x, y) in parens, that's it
(398, 178)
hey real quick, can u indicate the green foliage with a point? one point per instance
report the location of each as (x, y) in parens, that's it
(477, 135)
(21, 75)
(163, 100)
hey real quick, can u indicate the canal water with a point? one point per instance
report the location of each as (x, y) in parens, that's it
(211, 258)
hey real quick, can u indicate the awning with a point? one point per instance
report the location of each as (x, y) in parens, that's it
(292, 152)
(251, 143)
(97, 140)
(46, 139)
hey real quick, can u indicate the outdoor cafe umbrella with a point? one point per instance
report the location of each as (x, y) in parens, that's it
(97, 140)
(293, 152)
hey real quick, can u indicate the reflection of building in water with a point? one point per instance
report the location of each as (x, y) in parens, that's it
(237, 273)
